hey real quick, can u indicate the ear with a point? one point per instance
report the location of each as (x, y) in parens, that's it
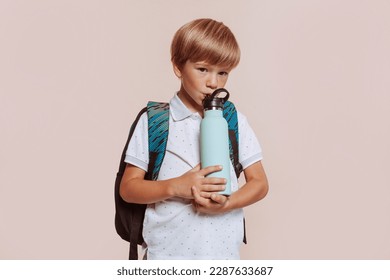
(177, 70)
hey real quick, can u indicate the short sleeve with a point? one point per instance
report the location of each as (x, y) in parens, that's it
(249, 147)
(138, 150)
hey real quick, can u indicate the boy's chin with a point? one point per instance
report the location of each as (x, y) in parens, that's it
(198, 106)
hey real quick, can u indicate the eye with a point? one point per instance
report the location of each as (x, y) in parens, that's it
(202, 69)
(223, 73)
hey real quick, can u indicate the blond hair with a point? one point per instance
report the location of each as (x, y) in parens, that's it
(205, 40)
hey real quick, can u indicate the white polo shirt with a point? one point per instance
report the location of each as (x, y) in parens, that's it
(172, 229)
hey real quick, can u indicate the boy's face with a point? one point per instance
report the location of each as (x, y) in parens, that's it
(199, 79)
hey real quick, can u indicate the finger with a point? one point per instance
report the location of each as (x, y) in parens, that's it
(211, 188)
(210, 169)
(195, 193)
(213, 181)
(218, 198)
(206, 194)
(201, 201)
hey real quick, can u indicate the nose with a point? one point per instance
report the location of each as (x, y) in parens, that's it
(212, 81)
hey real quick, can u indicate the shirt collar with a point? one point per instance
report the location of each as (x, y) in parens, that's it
(178, 110)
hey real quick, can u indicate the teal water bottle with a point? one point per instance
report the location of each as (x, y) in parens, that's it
(214, 139)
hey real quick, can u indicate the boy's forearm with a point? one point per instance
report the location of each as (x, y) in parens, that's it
(255, 188)
(143, 191)
(248, 194)
(135, 189)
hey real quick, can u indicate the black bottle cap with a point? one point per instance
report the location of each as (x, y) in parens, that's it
(213, 101)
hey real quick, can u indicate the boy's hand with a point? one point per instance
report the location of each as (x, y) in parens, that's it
(197, 177)
(209, 203)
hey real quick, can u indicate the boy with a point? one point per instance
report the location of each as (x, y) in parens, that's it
(186, 218)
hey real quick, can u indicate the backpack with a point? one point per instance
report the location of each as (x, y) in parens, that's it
(129, 217)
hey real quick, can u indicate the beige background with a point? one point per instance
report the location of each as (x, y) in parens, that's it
(313, 81)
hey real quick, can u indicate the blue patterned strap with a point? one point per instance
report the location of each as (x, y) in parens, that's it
(158, 124)
(230, 114)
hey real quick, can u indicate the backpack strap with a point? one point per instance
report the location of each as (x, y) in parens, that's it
(230, 114)
(158, 125)
(128, 216)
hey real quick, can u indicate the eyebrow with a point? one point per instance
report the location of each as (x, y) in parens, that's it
(202, 63)
(206, 64)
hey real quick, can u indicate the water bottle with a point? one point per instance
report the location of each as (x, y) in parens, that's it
(214, 139)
